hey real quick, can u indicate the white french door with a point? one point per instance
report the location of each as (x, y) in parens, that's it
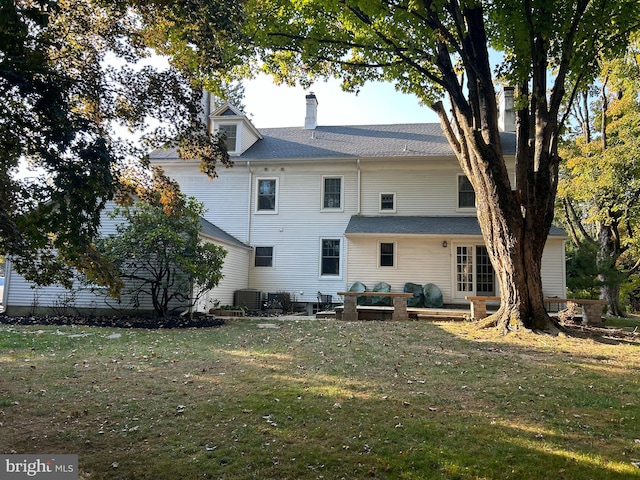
(474, 273)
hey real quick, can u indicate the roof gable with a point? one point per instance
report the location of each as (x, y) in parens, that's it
(227, 109)
(228, 114)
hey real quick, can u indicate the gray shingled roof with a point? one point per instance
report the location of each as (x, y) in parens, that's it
(357, 141)
(351, 141)
(399, 225)
(209, 229)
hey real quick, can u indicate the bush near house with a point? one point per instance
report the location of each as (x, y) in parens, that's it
(161, 257)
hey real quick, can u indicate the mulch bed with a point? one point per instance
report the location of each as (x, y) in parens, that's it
(609, 335)
(198, 321)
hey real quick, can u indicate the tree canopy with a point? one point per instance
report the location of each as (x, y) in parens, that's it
(441, 48)
(599, 191)
(76, 84)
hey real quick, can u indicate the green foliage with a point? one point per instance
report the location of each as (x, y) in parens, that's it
(585, 275)
(582, 272)
(404, 41)
(161, 257)
(630, 293)
(76, 75)
(599, 188)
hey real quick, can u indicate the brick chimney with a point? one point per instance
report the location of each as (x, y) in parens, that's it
(506, 110)
(311, 118)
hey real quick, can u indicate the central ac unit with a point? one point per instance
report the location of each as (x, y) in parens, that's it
(248, 298)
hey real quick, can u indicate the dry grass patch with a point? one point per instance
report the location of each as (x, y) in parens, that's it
(322, 399)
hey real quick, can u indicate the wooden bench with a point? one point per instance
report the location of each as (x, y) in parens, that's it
(591, 309)
(350, 312)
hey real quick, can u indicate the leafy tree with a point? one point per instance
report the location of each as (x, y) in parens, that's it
(160, 256)
(600, 186)
(584, 275)
(438, 48)
(75, 83)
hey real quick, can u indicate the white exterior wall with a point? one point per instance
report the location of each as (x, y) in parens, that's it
(554, 271)
(296, 230)
(423, 187)
(419, 260)
(247, 138)
(424, 260)
(23, 296)
(226, 198)
(235, 272)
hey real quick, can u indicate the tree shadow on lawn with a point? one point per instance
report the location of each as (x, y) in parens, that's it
(408, 408)
(331, 399)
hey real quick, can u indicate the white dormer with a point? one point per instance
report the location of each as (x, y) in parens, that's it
(241, 133)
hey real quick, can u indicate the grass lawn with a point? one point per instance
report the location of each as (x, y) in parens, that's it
(321, 399)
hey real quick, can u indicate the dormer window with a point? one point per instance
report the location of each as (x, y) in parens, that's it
(231, 132)
(240, 132)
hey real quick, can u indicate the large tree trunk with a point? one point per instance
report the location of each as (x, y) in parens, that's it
(516, 253)
(515, 243)
(515, 220)
(606, 260)
(611, 294)
(514, 224)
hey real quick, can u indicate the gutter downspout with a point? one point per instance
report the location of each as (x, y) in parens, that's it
(359, 186)
(249, 217)
(359, 202)
(7, 283)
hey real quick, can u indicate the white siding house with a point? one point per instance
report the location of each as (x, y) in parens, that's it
(321, 205)
(22, 297)
(315, 208)
(234, 270)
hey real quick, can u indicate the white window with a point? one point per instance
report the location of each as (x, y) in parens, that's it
(386, 254)
(264, 257)
(466, 194)
(331, 193)
(267, 195)
(330, 257)
(231, 133)
(387, 203)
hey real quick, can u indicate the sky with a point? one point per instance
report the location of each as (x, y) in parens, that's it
(269, 105)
